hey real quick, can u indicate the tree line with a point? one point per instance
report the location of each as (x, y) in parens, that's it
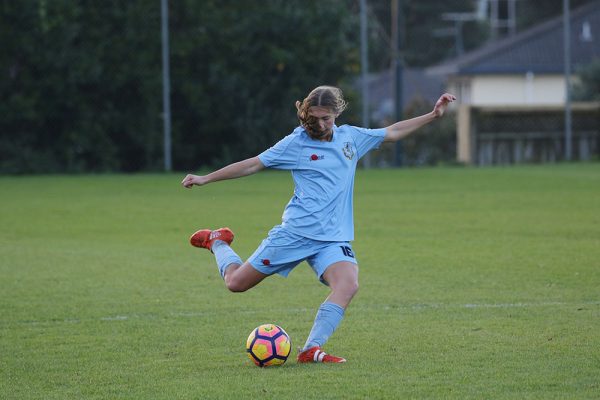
(81, 81)
(82, 89)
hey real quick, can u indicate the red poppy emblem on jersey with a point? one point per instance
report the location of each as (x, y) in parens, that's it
(316, 157)
(266, 262)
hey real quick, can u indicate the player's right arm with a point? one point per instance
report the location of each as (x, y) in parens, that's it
(236, 170)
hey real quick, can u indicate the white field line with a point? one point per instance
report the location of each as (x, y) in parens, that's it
(410, 307)
(290, 310)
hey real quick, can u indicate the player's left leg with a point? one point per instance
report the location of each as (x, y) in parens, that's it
(342, 277)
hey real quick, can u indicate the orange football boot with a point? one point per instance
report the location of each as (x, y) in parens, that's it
(205, 238)
(315, 354)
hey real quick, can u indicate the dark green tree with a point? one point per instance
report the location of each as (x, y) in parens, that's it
(81, 87)
(588, 87)
(420, 27)
(239, 66)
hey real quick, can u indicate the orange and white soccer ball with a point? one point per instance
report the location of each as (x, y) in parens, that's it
(268, 345)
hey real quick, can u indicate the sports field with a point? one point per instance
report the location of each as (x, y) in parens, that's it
(475, 284)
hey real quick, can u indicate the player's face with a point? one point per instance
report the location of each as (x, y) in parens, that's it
(321, 122)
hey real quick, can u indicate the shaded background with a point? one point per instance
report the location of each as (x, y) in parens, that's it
(81, 82)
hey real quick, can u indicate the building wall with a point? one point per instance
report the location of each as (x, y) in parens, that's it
(526, 89)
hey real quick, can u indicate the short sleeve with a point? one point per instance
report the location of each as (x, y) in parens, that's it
(283, 155)
(367, 139)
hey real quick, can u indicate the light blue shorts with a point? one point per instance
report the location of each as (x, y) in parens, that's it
(282, 251)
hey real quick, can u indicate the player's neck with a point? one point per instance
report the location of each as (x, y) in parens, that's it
(328, 137)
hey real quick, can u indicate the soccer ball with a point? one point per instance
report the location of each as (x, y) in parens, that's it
(268, 345)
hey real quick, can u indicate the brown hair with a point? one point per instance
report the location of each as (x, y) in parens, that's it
(323, 96)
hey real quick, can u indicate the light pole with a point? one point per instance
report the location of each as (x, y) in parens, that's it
(397, 23)
(164, 9)
(364, 69)
(567, 67)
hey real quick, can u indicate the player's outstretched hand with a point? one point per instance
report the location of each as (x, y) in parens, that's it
(191, 180)
(442, 104)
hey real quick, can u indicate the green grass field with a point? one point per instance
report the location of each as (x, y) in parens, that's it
(475, 284)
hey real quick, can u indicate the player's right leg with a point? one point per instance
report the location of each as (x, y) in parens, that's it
(238, 276)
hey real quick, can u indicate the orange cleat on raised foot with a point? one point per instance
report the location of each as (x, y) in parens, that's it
(205, 238)
(315, 354)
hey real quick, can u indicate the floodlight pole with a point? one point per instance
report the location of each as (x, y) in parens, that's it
(567, 67)
(166, 84)
(397, 63)
(364, 71)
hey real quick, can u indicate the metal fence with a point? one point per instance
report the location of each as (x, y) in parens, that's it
(508, 135)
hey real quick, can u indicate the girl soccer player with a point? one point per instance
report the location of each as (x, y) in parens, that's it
(317, 224)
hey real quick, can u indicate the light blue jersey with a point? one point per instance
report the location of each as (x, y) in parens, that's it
(323, 173)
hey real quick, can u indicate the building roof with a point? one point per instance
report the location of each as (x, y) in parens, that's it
(415, 86)
(538, 49)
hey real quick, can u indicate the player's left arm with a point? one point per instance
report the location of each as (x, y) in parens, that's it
(402, 129)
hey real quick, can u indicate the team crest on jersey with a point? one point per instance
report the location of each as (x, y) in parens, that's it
(348, 150)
